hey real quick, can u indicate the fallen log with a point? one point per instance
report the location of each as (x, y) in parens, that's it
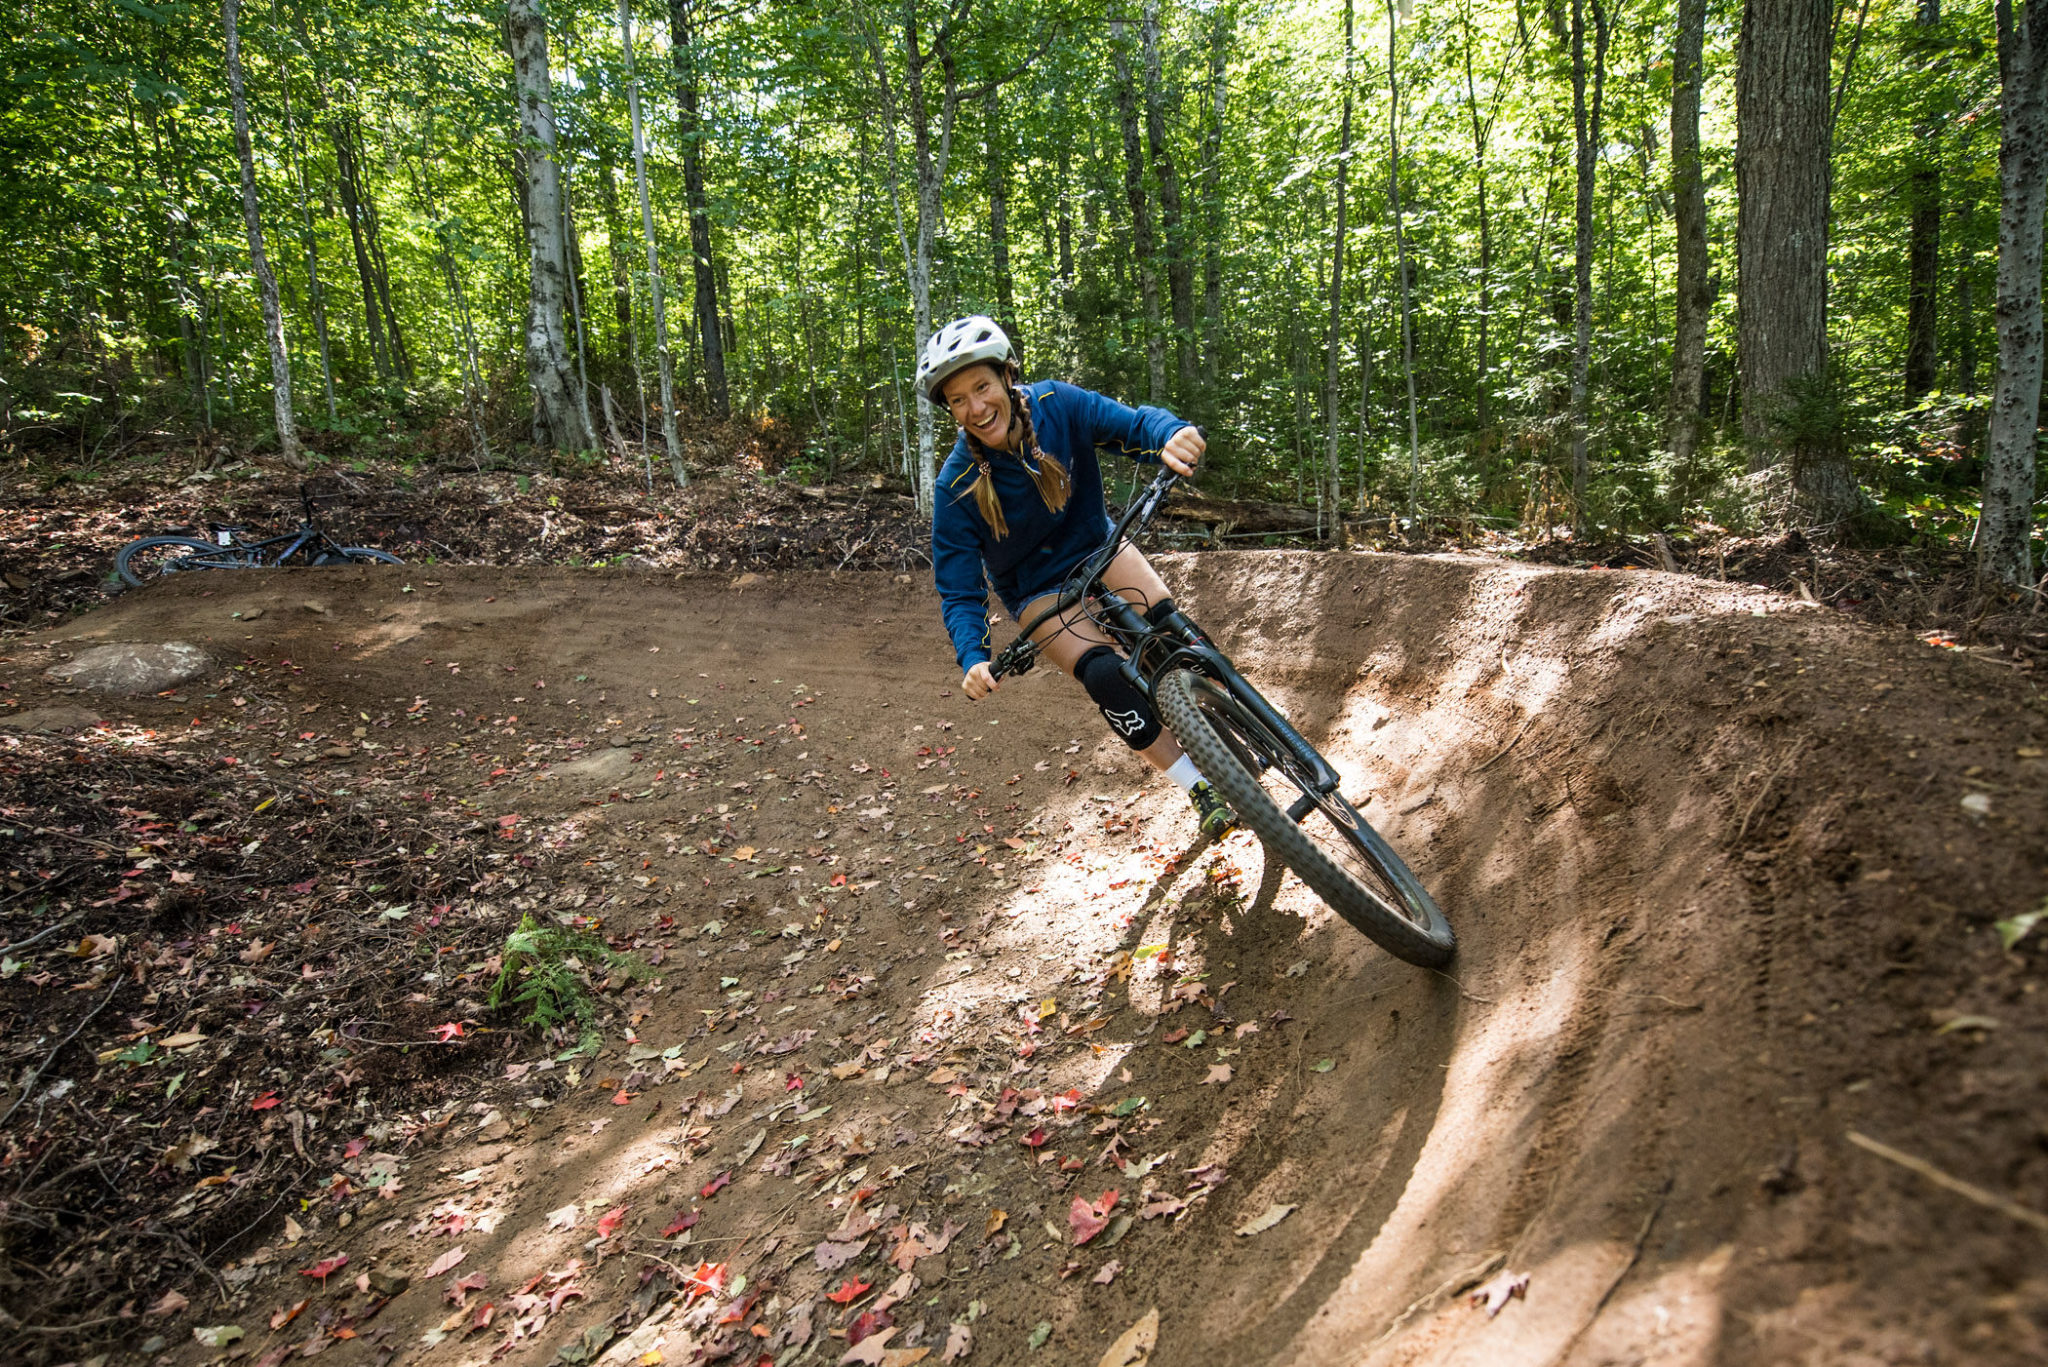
(1238, 514)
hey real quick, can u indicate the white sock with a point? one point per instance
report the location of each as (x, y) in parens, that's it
(1184, 772)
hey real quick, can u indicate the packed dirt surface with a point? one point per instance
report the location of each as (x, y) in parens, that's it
(952, 1018)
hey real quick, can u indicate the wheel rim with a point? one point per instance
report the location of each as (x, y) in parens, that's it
(158, 562)
(1333, 827)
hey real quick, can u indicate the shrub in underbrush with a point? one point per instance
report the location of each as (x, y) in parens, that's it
(545, 968)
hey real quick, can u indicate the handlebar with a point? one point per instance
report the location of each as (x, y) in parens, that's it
(1019, 656)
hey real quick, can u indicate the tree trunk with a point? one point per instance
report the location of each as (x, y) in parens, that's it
(1783, 137)
(380, 269)
(266, 283)
(548, 368)
(1923, 244)
(351, 208)
(683, 55)
(1143, 249)
(1689, 201)
(619, 252)
(1179, 275)
(999, 214)
(2005, 531)
(664, 357)
(1586, 129)
(316, 292)
(1334, 349)
(1401, 265)
(1212, 197)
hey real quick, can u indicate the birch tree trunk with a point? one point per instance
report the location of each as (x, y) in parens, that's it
(1586, 127)
(711, 336)
(1143, 248)
(548, 368)
(2005, 531)
(664, 358)
(266, 282)
(1334, 346)
(1689, 210)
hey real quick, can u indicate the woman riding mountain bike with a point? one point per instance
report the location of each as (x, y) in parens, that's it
(1018, 506)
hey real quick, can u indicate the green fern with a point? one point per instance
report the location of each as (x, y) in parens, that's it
(545, 969)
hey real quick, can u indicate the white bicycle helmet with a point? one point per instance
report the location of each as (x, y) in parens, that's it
(957, 345)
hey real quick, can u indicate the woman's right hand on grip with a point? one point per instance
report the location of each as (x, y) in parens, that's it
(978, 682)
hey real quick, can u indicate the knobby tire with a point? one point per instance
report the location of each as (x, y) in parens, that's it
(136, 567)
(1377, 894)
(358, 555)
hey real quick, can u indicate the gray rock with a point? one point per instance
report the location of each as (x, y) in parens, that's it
(606, 766)
(133, 669)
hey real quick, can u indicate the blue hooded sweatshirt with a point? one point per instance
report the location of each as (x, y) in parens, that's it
(1043, 546)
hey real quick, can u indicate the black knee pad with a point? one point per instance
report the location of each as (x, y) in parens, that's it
(1123, 706)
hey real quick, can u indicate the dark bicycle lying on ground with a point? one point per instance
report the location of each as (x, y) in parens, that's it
(153, 557)
(1275, 781)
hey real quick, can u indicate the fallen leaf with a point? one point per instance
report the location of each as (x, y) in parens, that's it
(996, 1220)
(1219, 1073)
(1108, 1273)
(959, 1343)
(1507, 1286)
(184, 1039)
(608, 1223)
(170, 1303)
(447, 1262)
(285, 1314)
(1322, 1065)
(833, 1256)
(848, 1291)
(219, 1335)
(563, 1218)
(714, 1186)
(1273, 1215)
(1133, 1347)
(265, 1102)
(685, 1220)
(460, 1287)
(449, 1031)
(1089, 1218)
(326, 1267)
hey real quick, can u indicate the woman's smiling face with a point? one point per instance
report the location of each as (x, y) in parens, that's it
(979, 401)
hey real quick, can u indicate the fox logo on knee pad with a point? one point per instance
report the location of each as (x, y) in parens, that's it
(1126, 724)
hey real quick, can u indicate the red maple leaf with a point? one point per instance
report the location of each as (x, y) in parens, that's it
(355, 1146)
(1089, 1218)
(865, 1323)
(444, 1033)
(793, 1083)
(1065, 1101)
(1036, 1139)
(712, 1187)
(264, 1102)
(325, 1268)
(848, 1290)
(685, 1219)
(608, 1223)
(706, 1279)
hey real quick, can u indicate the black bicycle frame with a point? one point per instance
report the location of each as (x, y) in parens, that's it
(1178, 646)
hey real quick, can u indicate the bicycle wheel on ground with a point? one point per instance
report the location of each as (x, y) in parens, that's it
(152, 557)
(1333, 849)
(358, 555)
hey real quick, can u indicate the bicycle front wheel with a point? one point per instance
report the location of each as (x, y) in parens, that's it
(358, 555)
(152, 557)
(1333, 849)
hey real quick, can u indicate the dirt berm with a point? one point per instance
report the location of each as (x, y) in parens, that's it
(1723, 866)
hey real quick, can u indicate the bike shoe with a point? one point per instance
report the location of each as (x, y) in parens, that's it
(1212, 813)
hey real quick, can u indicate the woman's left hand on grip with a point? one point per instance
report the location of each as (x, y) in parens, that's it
(1183, 452)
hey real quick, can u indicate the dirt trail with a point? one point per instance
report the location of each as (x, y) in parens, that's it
(1723, 869)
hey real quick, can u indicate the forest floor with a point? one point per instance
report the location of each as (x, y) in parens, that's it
(941, 1034)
